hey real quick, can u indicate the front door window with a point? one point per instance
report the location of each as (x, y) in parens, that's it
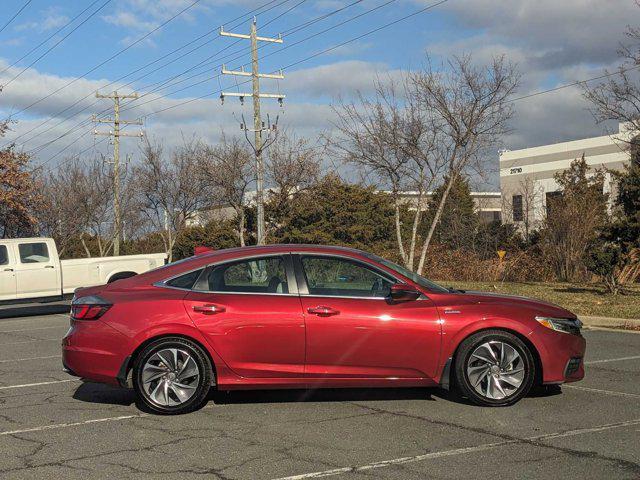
(340, 277)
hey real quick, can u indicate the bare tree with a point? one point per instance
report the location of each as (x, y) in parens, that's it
(228, 169)
(172, 189)
(293, 167)
(393, 142)
(471, 108)
(618, 98)
(80, 203)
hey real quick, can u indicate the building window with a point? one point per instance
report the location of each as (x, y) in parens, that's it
(518, 214)
(551, 199)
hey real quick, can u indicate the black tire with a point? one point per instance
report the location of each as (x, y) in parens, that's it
(202, 384)
(464, 359)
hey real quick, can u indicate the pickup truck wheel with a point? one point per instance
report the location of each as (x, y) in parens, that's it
(172, 376)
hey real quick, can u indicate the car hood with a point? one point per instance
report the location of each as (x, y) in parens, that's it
(539, 306)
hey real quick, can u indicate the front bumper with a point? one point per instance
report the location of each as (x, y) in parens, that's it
(94, 351)
(561, 355)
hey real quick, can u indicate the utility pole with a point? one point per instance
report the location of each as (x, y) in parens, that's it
(258, 144)
(116, 133)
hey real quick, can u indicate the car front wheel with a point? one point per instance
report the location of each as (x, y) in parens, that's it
(172, 376)
(494, 368)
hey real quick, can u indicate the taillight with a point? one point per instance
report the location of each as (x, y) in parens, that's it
(89, 308)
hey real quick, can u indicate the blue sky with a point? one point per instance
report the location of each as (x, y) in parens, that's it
(552, 42)
(120, 23)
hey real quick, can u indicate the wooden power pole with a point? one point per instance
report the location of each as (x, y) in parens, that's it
(258, 144)
(116, 133)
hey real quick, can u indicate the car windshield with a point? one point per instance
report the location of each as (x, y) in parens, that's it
(420, 280)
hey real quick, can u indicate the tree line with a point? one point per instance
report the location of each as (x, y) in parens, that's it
(428, 133)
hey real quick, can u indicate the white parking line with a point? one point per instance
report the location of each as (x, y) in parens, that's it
(25, 385)
(32, 329)
(32, 341)
(458, 451)
(606, 360)
(29, 358)
(35, 320)
(74, 424)
(604, 392)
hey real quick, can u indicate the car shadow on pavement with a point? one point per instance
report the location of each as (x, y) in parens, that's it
(34, 310)
(107, 394)
(318, 395)
(102, 393)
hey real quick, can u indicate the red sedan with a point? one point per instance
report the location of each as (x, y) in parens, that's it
(297, 316)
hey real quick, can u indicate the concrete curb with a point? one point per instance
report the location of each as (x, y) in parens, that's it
(609, 321)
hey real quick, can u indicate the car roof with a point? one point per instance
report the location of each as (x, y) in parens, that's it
(204, 259)
(281, 247)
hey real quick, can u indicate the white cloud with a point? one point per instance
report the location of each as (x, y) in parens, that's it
(128, 20)
(200, 117)
(51, 20)
(553, 33)
(338, 79)
(553, 43)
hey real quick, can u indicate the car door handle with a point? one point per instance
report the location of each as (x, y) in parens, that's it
(49, 266)
(8, 270)
(208, 309)
(322, 311)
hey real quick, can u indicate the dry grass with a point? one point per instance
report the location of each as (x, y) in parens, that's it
(582, 299)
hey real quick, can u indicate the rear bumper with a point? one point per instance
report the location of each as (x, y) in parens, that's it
(94, 351)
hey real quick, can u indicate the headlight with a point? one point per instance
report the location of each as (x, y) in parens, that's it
(566, 325)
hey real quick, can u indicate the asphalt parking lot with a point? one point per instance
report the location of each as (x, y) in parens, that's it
(53, 426)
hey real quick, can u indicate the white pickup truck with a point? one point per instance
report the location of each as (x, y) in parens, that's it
(30, 270)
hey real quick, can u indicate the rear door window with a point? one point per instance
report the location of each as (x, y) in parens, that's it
(257, 275)
(185, 281)
(33, 252)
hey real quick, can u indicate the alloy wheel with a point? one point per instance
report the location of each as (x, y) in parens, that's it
(495, 370)
(170, 377)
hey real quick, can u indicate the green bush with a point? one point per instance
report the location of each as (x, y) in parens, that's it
(604, 259)
(216, 235)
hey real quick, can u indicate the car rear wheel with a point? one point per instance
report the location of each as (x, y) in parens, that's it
(494, 368)
(172, 376)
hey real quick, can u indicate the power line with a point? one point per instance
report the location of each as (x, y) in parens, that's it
(118, 53)
(578, 82)
(56, 44)
(82, 122)
(534, 94)
(15, 15)
(422, 10)
(413, 14)
(137, 70)
(50, 37)
(294, 30)
(41, 147)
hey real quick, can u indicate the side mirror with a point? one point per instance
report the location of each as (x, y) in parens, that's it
(401, 292)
